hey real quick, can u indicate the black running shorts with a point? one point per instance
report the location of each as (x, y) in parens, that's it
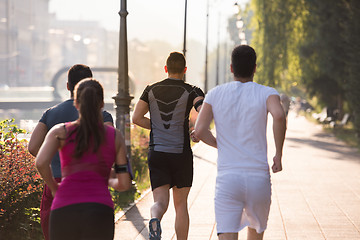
(175, 169)
(82, 221)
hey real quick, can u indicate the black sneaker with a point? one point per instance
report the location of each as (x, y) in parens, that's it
(154, 234)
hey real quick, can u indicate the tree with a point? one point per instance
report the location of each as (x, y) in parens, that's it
(353, 63)
(310, 43)
(324, 52)
(278, 33)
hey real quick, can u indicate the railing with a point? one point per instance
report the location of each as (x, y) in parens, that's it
(53, 98)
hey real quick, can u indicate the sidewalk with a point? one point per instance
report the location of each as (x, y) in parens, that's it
(316, 196)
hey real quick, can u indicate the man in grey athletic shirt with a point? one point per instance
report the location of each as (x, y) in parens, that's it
(63, 112)
(170, 157)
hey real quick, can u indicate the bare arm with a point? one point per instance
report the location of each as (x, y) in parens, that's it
(202, 126)
(37, 138)
(122, 181)
(138, 117)
(47, 150)
(279, 128)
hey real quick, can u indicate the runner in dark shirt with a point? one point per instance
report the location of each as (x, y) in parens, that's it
(170, 157)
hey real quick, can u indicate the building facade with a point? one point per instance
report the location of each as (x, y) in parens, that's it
(24, 41)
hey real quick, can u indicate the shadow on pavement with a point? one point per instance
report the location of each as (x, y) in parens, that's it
(204, 159)
(135, 217)
(344, 152)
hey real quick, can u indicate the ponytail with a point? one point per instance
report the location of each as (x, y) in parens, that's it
(90, 133)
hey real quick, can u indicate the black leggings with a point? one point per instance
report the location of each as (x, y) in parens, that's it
(90, 221)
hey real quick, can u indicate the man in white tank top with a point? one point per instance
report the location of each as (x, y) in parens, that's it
(240, 109)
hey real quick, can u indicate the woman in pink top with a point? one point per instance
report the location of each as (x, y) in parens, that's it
(82, 206)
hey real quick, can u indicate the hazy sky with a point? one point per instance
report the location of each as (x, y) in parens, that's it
(152, 19)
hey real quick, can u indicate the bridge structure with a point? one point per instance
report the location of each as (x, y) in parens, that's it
(25, 102)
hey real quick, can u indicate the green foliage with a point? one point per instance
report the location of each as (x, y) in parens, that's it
(353, 44)
(276, 24)
(346, 133)
(139, 150)
(324, 52)
(123, 199)
(8, 131)
(20, 186)
(312, 45)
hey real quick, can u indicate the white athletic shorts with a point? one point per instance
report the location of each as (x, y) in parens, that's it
(242, 199)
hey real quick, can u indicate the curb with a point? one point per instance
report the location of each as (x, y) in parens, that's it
(121, 213)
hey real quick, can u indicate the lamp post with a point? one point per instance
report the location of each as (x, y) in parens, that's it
(240, 23)
(206, 48)
(184, 47)
(123, 98)
(6, 21)
(218, 53)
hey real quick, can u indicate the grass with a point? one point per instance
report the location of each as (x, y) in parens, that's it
(139, 150)
(345, 133)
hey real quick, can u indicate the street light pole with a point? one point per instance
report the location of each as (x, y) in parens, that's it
(184, 47)
(218, 53)
(123, 98)
(7, 59)
(240, 23)
(206, 48)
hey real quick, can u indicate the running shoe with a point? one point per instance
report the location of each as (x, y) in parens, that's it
(154, 234)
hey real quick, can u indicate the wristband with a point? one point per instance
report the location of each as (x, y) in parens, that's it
(121, 168)
(198, 103)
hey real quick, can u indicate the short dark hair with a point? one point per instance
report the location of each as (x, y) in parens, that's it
(77, 73)
(243, 60)
(176, 62)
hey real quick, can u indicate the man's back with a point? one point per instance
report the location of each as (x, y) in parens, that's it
(61, 113)
(240, 115)
(170, 102)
